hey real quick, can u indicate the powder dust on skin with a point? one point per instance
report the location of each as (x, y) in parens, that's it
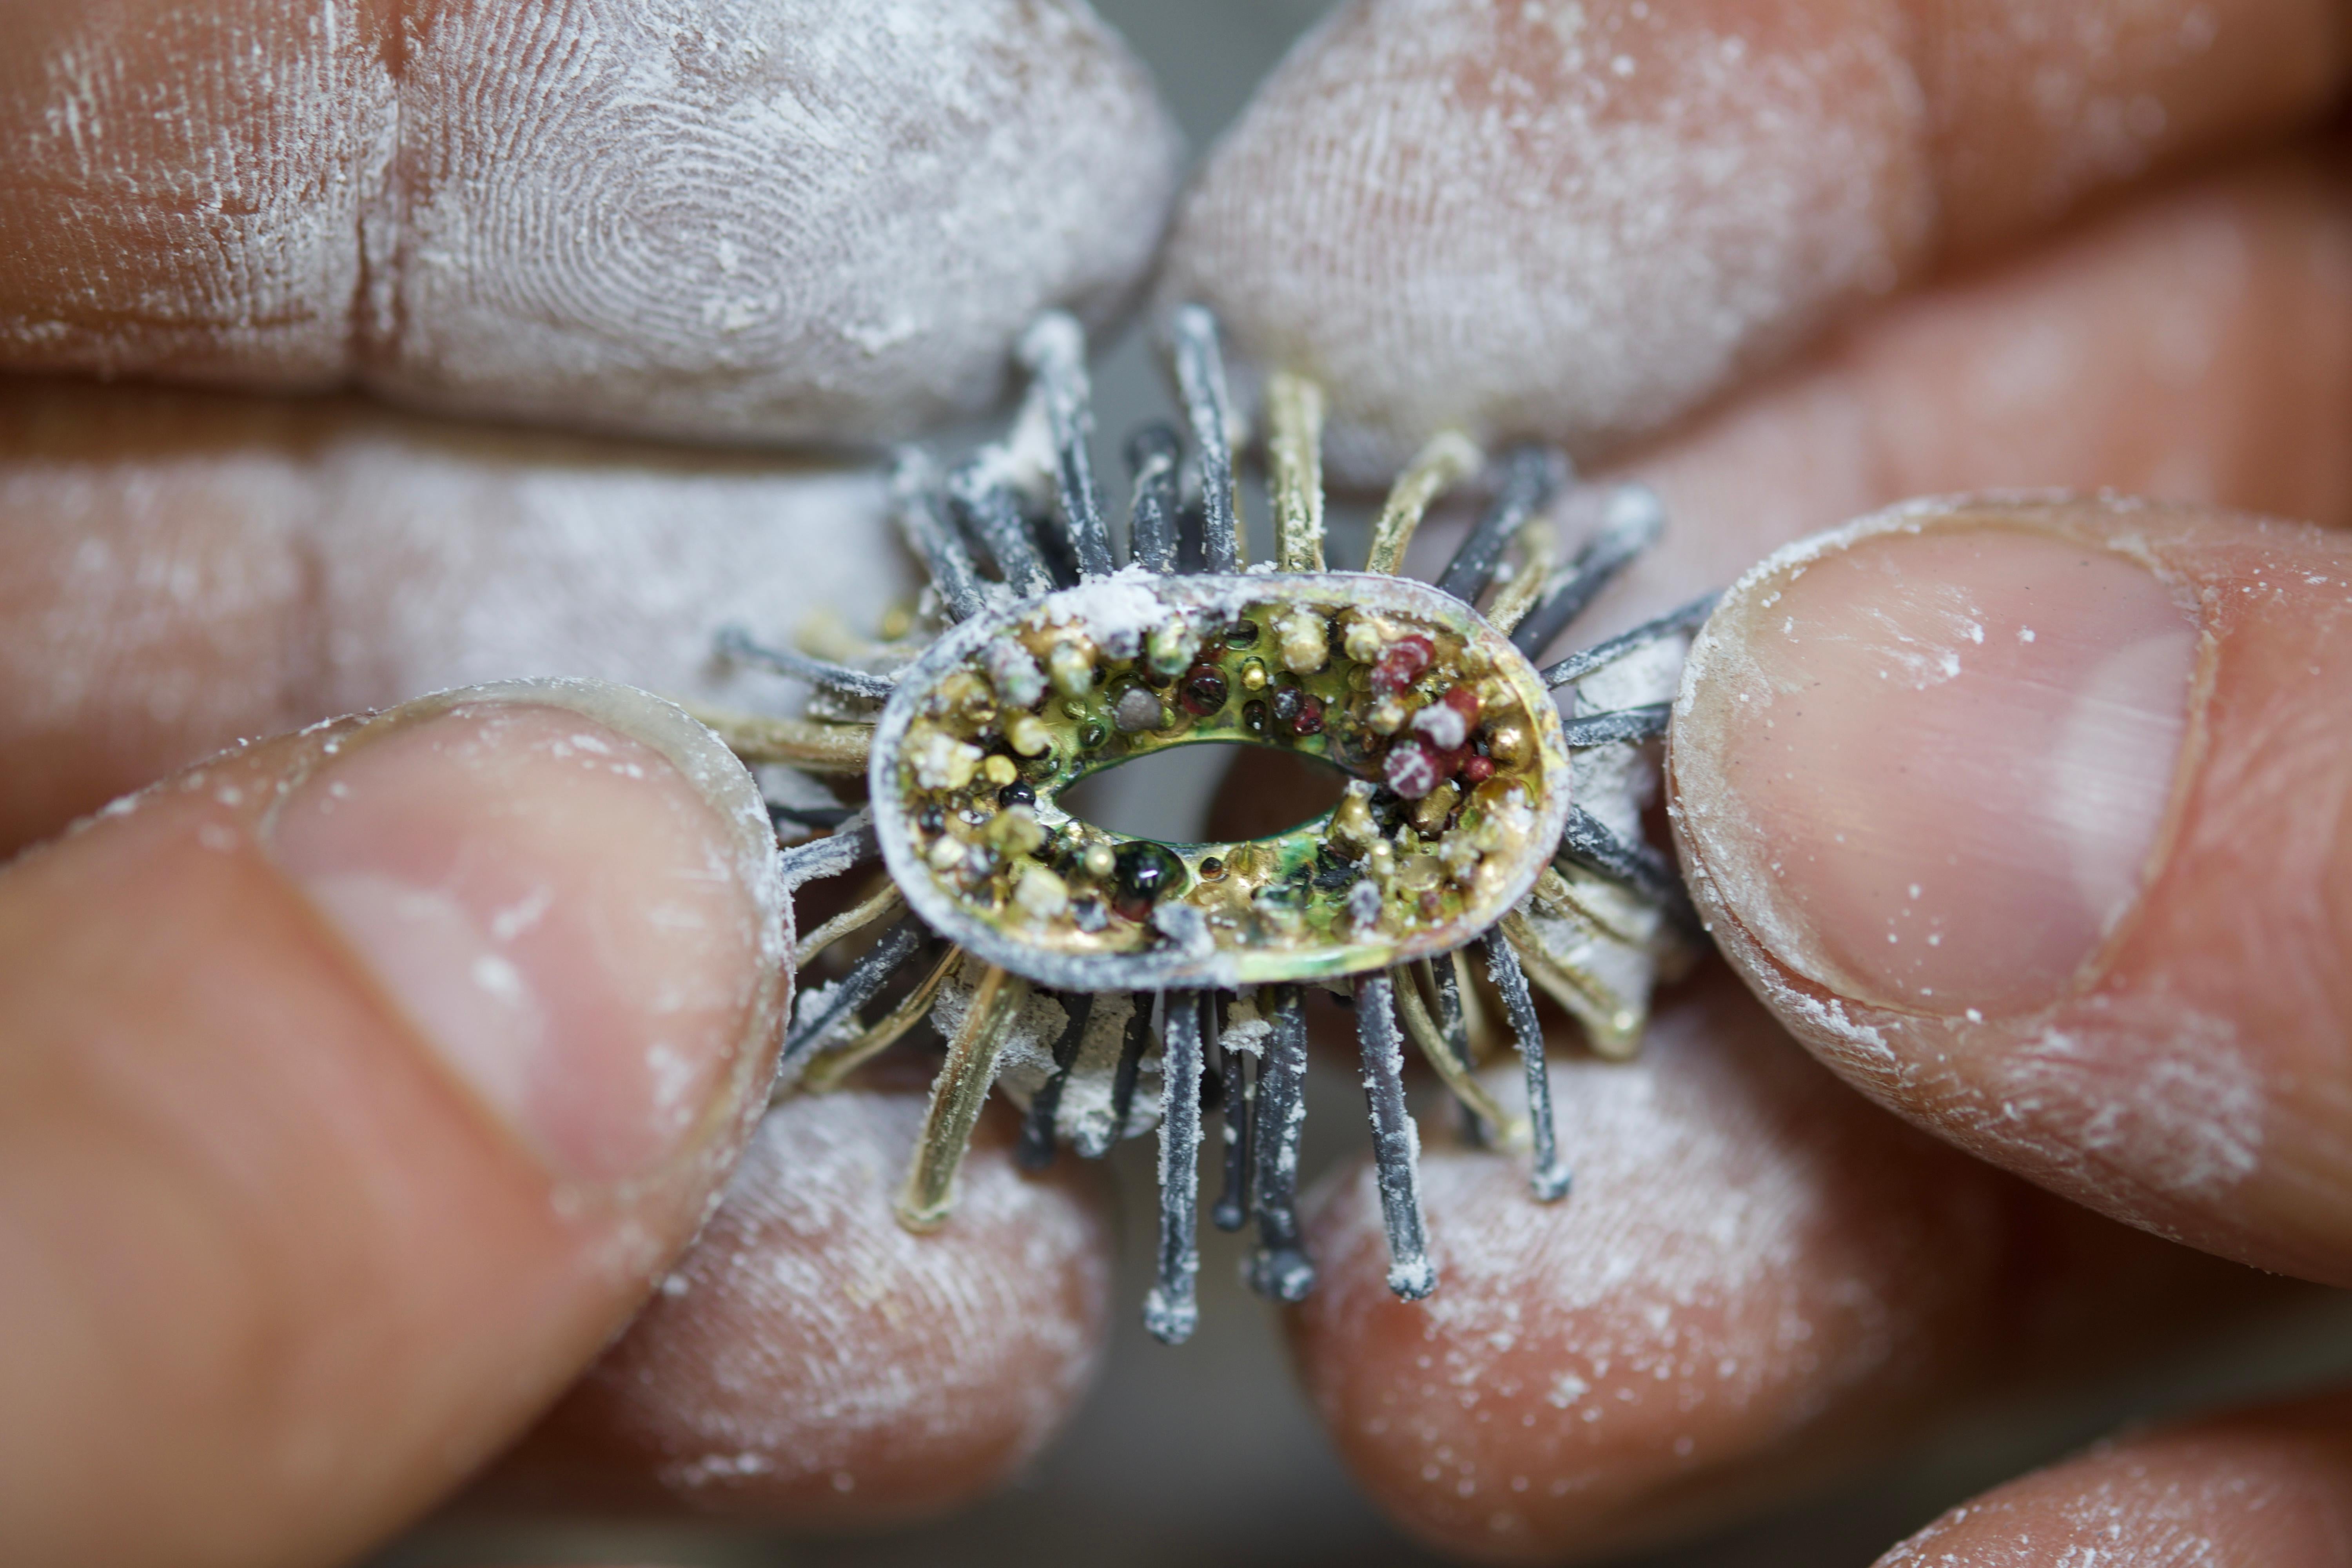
(757, 219)
(257, 564)
(809, 1350)
(1750, 1264)
(1433, 206)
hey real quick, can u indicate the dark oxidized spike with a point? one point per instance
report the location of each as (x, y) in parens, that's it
(1201, 376)
(922, 511)
(1035, 1149)
(1054, 350)
(1279, 1268)
(1131, 1047)
(820, 818)
(1396, 1143)
(1588, 842)
(1633, 521)
(850, 845)
(1551, 1178)
(992, 513)
(860, 985)
(737, 644)
(1453, 1026)
(1234, 1107)
(1169, 1312)
(1674, 623)
(1530, 475)
(1642, 723)
(1153, 525)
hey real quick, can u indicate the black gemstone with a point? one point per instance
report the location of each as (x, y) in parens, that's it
(931, 819)
(1016, 793)
(1144, 874)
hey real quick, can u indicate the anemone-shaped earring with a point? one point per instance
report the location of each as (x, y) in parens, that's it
(1109, 982)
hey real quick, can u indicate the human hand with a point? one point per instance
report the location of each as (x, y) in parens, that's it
(428, 579)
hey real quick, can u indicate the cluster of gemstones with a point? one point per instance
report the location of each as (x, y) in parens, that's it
(1447, 756)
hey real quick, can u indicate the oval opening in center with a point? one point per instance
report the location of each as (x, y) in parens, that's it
(1210, 791)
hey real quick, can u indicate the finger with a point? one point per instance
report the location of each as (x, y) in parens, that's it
(1757, 1283)
(1577, 223)
(812, 1364)
(770, 221)
(185, 569)
(2260, 1489)
(354, 1089)
(2033, 818)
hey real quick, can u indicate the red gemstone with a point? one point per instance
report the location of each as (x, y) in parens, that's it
(1402, 663)
(1478, 770)
(1412, 769)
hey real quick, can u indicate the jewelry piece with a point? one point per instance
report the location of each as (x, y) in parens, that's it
(1111, 983)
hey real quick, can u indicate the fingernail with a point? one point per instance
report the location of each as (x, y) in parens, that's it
(568, 889)
(1926, 761)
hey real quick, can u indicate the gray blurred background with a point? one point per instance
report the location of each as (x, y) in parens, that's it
(1208, 1453)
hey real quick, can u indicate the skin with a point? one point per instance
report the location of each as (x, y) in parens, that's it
(1903, 298)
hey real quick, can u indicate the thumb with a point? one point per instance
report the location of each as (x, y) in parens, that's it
(353, 1087)
(2033, 817)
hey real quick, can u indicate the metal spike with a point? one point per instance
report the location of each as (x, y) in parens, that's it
(860, 985)
(922, 517)
(1449, 457)
(1131, 1047)
(835, 1060)
(1036, 1150)
(1396, 1143)
(1201, 378)
(1232, 1207)
(1451, 1059)
(1633, 519)
(1530, 476)
(1279, 1266)
(1674, 623)
(1588, 842)
(1454, 1026)
(992, 513)
(1152, 525)
(1550, 1177)
(1642, 723)
(817, 819)
(1171, 1311)
(957, 1096)
(876, 906)
(738, 643)
(1293, 454)
(847, 848)
(1055, 351)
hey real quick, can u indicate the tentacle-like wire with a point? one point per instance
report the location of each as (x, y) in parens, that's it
(1171, 1311)
(1201, 379)
(1452, 1060)
(1396, 1143)
(1153, 524)
(922, 511)
(1551, 1178)
(884, 902)
(1529, 478)
(1642, 723)
(819, 1011)
(993, 512)
(1278, 1266)
(736, 643)
(813, 745)
(1448, 459)
(1036, 1150)
(957, 1095)
(850, 845)
(1588, 842)
(829, 1064)
(1678, 622)
(1055, 351)
(1293, 454)
(1232, 1207)
(1633, 521)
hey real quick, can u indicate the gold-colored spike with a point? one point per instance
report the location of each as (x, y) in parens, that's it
(884, 902)
(1449, 457)
(829, 1067)
(1612, 1024)
(957, 1096)
(809, 743)
(1539, 553)
(1510, 1130)
(1294, 450)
